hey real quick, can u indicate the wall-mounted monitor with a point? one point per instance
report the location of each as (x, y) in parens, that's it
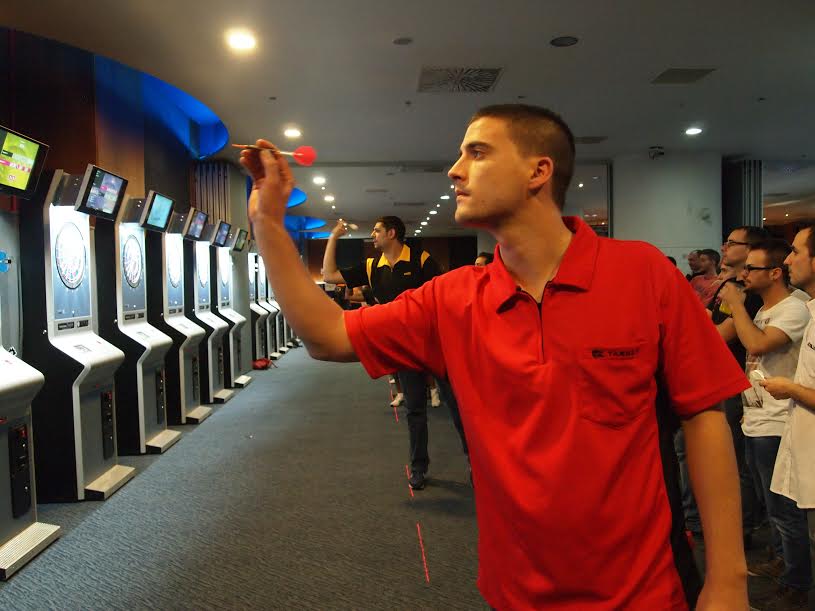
(157, 211)
(240, 241)
(101, 193)
(195, 227)
(21, 161)
(221, 234)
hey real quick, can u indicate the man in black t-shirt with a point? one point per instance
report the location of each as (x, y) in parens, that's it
(734, 255)
(398, 269)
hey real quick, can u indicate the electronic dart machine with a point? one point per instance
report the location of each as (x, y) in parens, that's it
(141, 417)
(272, 337)
(198, 307)
(74, 413)
(221, 270)
(21, 536)
(165, 311)
(259, 314)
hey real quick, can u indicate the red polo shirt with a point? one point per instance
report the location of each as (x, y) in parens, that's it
(571, 453)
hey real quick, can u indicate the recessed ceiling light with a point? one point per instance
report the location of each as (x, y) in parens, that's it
(402, 41)
(240, 39)
(322, 188)
(438, 205)
(333, 207)
(434, 212)
(595, 177)
(292, 133)
(445, 197)
(580, 186)
(418, 231)
(764, 218)
(452, 186)
(318, 180)
(563, 41)
(329, 198)
(427, 218)
(423, 223)
(603, 223)
(693, 131)
(787, 214)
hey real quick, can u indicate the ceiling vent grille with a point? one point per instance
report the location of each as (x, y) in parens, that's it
(682, 76)
(422, 169)
(458, 80)
(590, 139)
(376, 190)
(407, 204)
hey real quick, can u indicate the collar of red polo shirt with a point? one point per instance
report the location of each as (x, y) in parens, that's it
(576, 269)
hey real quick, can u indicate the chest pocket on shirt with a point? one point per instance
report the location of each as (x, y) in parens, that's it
(615, 381)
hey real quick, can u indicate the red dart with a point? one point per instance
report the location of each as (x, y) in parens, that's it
(304, 155)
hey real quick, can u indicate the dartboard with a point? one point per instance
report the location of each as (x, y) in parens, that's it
(174, 263)
(225, 265)
(131, 261)
(69, 252)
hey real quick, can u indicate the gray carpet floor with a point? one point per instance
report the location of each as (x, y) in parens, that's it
(291, 496)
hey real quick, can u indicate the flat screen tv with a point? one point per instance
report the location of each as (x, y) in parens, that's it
(21, 161)
(221, 234)
(157, 211)
(198, 219)
(101, 193)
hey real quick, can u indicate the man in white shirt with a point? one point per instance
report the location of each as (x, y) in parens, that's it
(772, 340)
(794, 474)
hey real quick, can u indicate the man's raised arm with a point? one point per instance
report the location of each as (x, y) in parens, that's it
(317, 320)
(330, 271)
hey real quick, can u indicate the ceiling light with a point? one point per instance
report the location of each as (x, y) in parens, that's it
(764, 218)
(452, 186)
(402, 41)
(693, 131)
(445, 197)
(418, 231)
(292, 133)
(580, 186)
(595, 177)
(787, 214)
(322, 188)
(438, 205)
(329, 198)
(333, 207)
(318, 180)
(563, 41)
(427, 218)
(603, 223)
(423, 223)
(240, 39)
(434, 212)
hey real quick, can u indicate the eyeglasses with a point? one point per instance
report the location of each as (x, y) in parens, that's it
(753, 268)
(730, 243)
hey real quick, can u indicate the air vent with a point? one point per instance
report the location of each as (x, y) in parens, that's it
(376, 190)
(408, 204)
(682, 76)
(458, 80)
(776, 194)
(590, 139)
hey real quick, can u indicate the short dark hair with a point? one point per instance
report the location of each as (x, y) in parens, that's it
(487, 255)
(753, 234)
(810, 238)
(395, 223)
(776, 250)
(711, 254)
(671, 259)
(539, 131)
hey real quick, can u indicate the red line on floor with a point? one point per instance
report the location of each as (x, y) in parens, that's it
(395, 414)
(407, 474)
(424, 559)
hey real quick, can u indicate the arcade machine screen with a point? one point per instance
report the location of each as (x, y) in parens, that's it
(175, 258)
(21, 161)
(240, 241)
(101, 194)
(197, 225)
(221, 235)
(202, 267)
(71, 290)
(158, 210)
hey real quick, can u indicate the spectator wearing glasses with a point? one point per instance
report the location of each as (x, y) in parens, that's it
(773, 340)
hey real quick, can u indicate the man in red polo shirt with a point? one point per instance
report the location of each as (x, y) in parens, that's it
(570, 431)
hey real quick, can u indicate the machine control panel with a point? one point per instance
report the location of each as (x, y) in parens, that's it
(19, 470)
(108, 432)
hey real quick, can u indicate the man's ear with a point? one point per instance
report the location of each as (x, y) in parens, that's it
(542, 174)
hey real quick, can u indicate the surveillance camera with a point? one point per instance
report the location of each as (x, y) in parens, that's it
(655, 152)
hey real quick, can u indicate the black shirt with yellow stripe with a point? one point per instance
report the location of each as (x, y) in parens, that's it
(410, 271)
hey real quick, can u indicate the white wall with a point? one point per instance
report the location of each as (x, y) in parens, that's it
(674, 202)
(486, 243)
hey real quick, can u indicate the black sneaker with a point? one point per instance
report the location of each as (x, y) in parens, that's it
(416, 480)
(772, 569)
